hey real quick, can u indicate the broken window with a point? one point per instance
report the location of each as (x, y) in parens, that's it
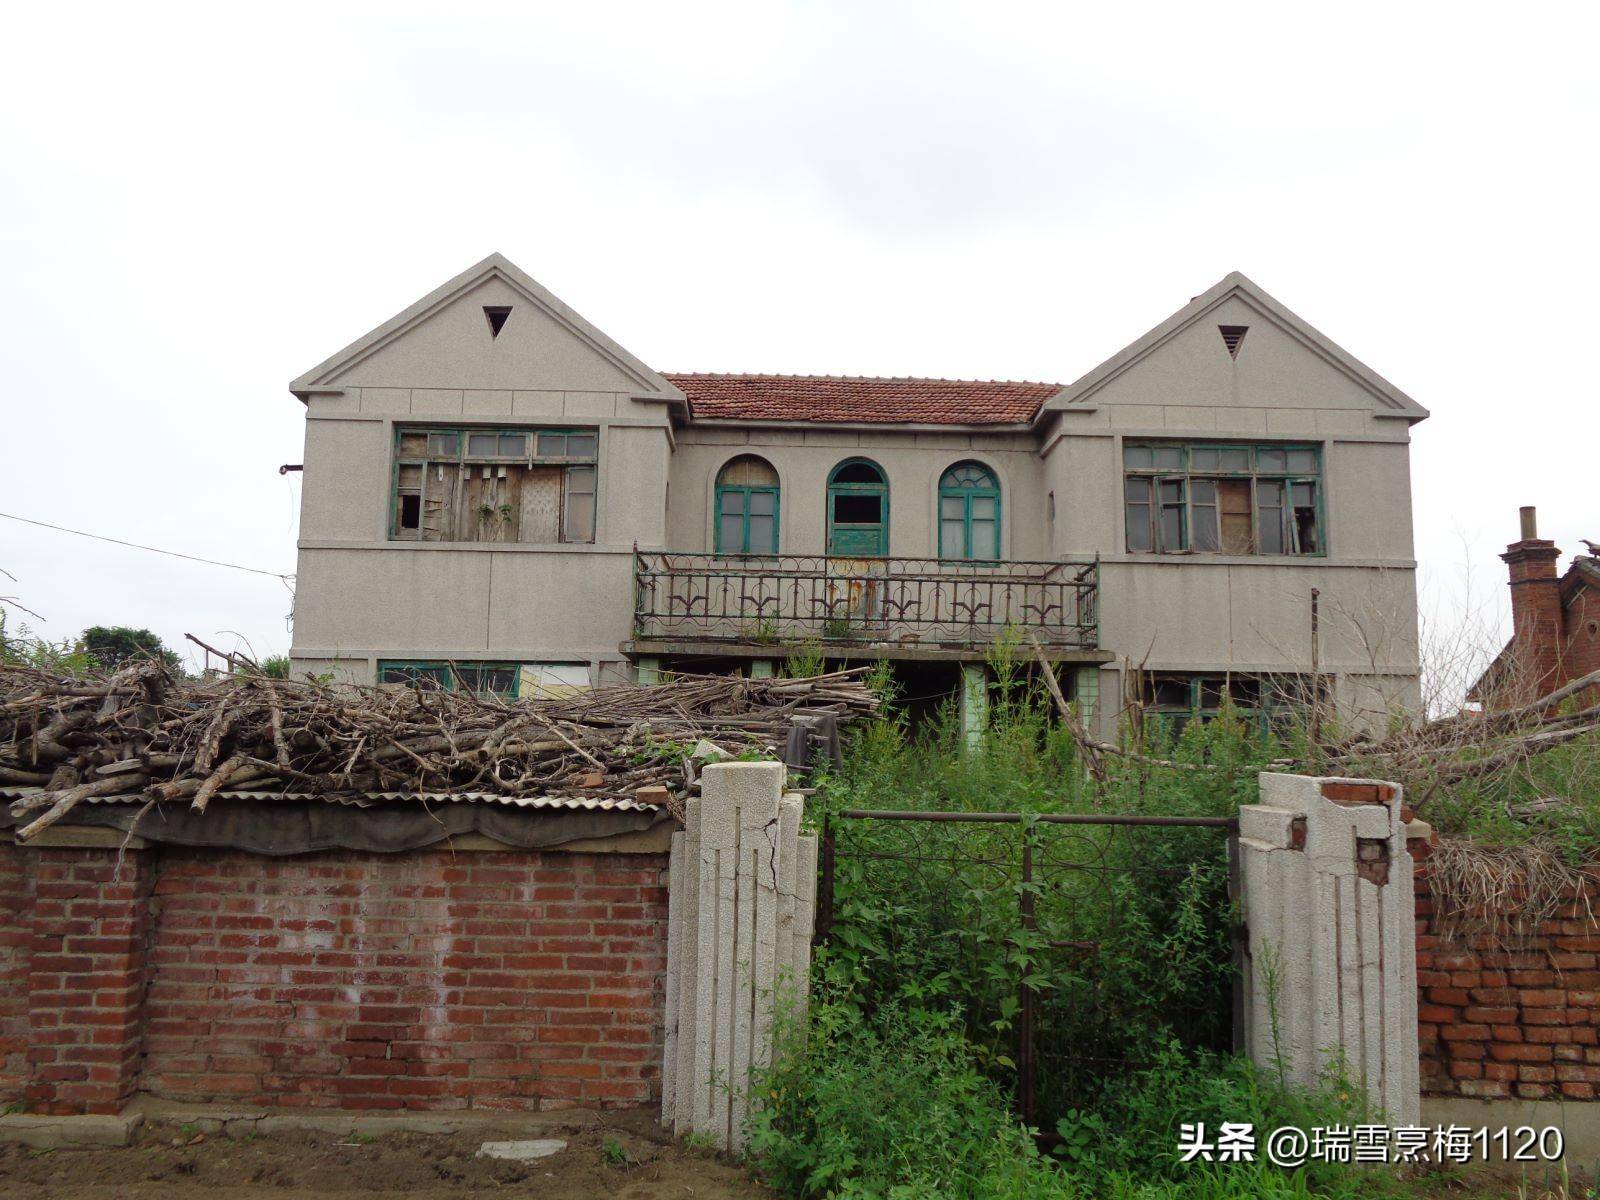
(1209, 498)
(495, 485)
(502, 680)
(1269, 704)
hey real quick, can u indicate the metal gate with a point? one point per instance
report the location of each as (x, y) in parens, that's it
(1064, 895)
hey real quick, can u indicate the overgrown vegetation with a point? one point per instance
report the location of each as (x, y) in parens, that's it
(903, 1084)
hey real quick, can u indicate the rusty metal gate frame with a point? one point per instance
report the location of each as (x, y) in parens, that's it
(1027, 1033)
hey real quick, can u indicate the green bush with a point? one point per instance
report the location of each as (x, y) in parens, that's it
(893, 1105)
(902, 1085)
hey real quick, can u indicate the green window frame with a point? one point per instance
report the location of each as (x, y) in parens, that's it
(481, 679)
(1262, 499)
(748, 507)
(1269, 703)
(853, 538)
(969, 513)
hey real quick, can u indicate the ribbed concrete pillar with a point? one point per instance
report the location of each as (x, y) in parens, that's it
(1332, 966)
(742, 893)
(762, 668)
(649, 671)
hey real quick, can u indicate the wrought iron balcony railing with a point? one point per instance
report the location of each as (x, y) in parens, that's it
(932, 603)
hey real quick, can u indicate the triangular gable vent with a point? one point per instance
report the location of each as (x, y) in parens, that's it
(497, 314)
(1233, 337)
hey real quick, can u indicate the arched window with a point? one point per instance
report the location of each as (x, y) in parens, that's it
(747, 507)
(969, 513)
(858, 510)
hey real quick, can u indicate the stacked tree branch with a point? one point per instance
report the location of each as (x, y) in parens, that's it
(1466, 746)
(144, 732)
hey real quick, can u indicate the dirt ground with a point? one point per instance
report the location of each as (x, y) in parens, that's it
(626, 1157)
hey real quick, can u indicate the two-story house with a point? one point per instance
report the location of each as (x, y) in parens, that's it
(499, 496)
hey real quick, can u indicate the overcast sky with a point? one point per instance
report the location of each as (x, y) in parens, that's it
(197, 204)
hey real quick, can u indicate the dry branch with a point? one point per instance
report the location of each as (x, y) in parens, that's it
(143, 732)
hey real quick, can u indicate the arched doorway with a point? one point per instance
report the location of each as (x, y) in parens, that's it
(858, 510)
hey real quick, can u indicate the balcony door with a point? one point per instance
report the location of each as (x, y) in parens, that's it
(858, 510)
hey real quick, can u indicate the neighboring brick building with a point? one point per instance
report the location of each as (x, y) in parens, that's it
(1555, 622)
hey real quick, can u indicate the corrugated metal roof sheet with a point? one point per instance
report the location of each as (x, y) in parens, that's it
(368, 799)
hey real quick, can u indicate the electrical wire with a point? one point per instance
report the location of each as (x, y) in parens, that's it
(152, 549)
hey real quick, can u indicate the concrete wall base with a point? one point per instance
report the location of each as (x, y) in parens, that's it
(83, 1132)
(1578, 1122)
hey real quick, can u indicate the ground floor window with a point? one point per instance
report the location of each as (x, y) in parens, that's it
(1275, 704)
(504, 680)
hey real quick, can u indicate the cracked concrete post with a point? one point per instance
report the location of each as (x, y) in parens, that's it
(742, 892)
(1332, 962)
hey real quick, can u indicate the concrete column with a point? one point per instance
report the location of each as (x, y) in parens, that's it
(1332, 960)
(763, 668)
(649, 671)
(1086, 694)
(974, 703)
(742, 892)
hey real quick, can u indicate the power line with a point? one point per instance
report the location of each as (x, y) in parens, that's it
(211, 562)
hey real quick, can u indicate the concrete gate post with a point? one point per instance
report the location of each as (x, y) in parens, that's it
(740, 908)
(1331, 971)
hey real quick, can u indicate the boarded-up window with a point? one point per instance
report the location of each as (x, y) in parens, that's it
(495, 485)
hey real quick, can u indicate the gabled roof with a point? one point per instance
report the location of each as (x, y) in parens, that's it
(862, 399)
(1390, 400)
(499, 266)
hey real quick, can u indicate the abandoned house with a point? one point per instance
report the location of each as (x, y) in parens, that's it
(500, 497)
(1555, 621)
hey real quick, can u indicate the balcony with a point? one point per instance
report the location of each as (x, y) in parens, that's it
(870, 607)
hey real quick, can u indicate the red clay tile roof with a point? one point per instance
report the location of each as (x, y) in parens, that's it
(849, 398)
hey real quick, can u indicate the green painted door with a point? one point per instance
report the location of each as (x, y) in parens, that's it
(858, 510)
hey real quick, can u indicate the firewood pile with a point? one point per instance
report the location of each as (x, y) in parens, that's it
(143, 732)
(1447, 751)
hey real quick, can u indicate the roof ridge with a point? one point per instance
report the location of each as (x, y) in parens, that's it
(766, 376)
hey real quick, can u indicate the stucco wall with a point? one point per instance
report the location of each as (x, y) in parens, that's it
(361, 597)
(912, 462)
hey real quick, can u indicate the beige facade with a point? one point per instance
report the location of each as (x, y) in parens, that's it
(365, 597)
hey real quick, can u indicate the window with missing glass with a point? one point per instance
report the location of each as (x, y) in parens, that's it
(478, 678)
(1275, 705)
(1222, 498)
(494, 485)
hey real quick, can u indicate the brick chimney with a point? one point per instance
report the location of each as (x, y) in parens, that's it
(1535, 610)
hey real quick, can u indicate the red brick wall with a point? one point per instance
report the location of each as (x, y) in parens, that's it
(1518, 1020)
(516, 979)
(16, 940)
(1582, 649)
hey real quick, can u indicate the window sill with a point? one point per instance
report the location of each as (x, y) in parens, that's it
(1259, 560)
(479, 547)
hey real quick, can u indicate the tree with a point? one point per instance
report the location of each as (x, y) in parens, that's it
(115, 646)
